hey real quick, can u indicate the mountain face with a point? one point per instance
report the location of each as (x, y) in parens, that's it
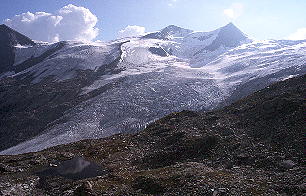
(228, 36)
(8, 39)
(68, 91)
(237, 150)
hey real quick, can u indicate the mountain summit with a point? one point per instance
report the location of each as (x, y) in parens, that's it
(169, 32)
(173, 30)
(228, 36)
(9, 36)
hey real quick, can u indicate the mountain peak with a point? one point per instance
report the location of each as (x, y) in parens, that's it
(175, 30)
(8, 39)
(231, 27)
(228, 36)
(9, 36)
(172, 27)
(169, 31)
(3, 26)
(230, 24)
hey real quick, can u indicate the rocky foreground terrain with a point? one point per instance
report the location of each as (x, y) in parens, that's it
(252, 147)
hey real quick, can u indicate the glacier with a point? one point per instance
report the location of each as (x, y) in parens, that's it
(154, 75)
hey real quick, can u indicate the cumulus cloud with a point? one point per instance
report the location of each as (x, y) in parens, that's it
(300, 34)
(234, 11)
(131, 31)
(69, 23)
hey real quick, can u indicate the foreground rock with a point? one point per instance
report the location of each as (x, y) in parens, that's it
(253, 147)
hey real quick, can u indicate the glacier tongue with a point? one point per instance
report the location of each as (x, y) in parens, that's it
(138, 100)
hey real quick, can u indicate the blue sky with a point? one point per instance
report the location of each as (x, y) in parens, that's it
(260, 19)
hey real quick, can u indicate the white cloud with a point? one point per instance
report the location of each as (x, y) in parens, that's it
(300, 34)
(69, 23)
(171, 3)
(131, 31)
(234, 11)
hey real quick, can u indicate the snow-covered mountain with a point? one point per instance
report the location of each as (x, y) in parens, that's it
(58, 93)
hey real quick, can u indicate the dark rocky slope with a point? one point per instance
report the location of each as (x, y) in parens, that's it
(8, 39)
(252, 147)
